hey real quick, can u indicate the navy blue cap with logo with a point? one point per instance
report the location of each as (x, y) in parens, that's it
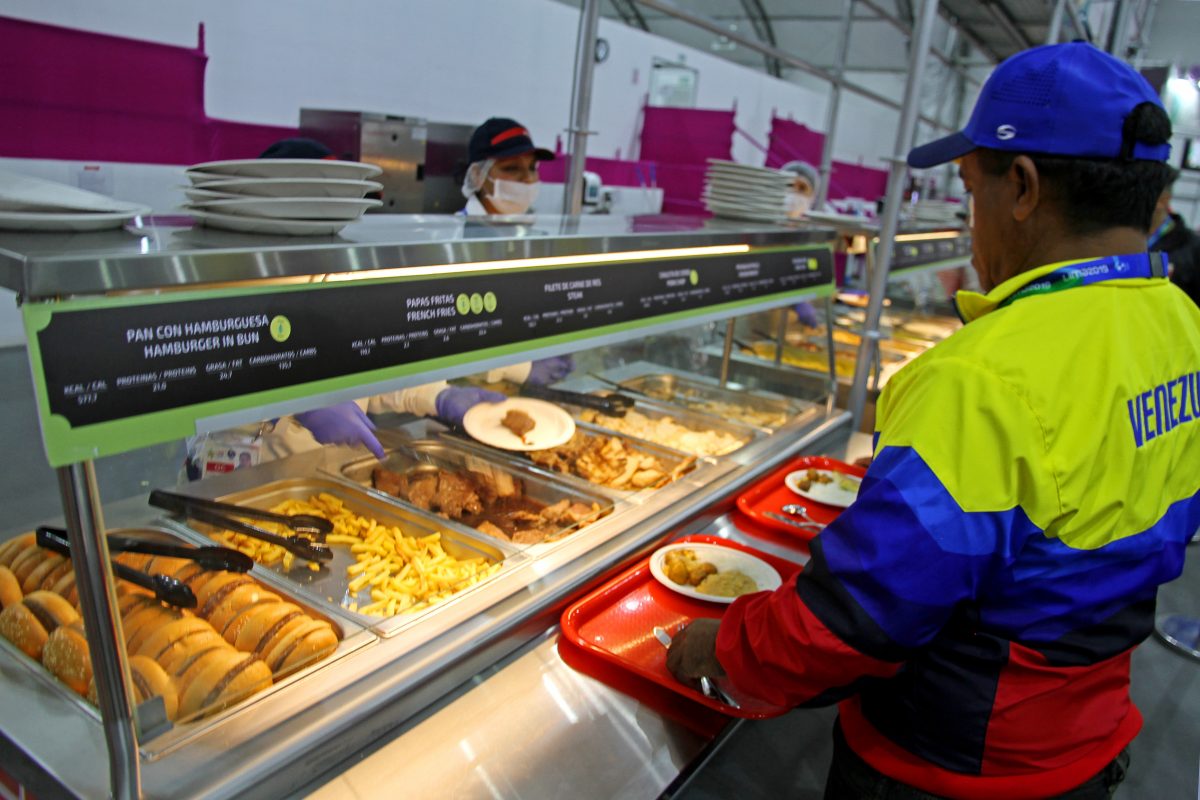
(1061, 100)
(501, 137)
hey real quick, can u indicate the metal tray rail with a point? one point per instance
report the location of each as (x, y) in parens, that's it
(330, 584)
(424, 454)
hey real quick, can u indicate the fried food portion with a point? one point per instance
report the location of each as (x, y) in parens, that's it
(519, 423)
(685, 568)
(811, 477)
(609, 461)
(668, 432)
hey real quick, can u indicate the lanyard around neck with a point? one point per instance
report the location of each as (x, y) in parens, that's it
(1159, 232)
(1099, 270)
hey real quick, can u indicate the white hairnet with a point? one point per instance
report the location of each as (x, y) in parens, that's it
(476, 174)
(804, 170)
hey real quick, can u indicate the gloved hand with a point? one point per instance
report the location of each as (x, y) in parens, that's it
(550, 370)
(693, 653)
(344, 423)
(453, 402)
(807, 315)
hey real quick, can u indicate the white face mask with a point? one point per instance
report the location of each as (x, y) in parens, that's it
(513, 197)
(798, 204)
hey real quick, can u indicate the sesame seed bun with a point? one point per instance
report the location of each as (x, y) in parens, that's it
(10, 589)
(29, 623)
(66, 656)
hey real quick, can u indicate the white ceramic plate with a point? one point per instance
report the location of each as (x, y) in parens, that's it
(26, 194)
(198, 195)
(732, 167)
(286, 168)
(757, 203)
(296, 208)
(831, 494)
(552, 425)
(278, 227)
(286, 187)
(723, 558)
(82, 221)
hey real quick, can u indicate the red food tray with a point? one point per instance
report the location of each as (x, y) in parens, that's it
(614, 625)
(771, 494)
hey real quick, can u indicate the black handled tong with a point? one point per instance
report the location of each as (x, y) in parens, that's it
(614, 405)
(167, 589)
(221, 515)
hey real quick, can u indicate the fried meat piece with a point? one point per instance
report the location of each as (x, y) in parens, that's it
(518, 422)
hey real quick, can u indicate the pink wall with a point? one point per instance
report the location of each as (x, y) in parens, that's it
(78, 95)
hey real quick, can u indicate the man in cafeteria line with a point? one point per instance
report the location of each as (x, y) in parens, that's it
(1036, 476)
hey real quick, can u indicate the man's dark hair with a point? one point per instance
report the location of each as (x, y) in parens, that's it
(1097, 194)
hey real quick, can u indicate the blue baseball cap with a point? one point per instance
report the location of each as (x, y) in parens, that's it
(500, 137)
(1061, 99)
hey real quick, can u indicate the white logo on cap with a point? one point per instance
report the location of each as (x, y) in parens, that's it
(1005, 132)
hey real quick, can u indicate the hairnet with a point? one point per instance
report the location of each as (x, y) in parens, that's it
(804, 170)
(476, 174)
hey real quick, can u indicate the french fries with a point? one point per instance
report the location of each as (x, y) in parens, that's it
(401, 574)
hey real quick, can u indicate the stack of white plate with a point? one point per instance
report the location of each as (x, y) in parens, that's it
(33, 204)
(286, 196)
(740, 191)
(938, 212)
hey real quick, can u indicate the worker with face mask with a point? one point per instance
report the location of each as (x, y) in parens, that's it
(502, 177)
(803, 191)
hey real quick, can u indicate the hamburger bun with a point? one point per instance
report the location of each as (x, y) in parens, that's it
(303, 644)
(65, 588)
(50, 562)
(145, 621)
(221, 678)
(52, 577)
(165, 565)
(263, 623)
(216, 588)
(66, 656)
(27, 560)
(134, 560)
(29, 623)
(163, 636)
(10, 589)
(243, 596)
(149, 680)
(14, 547)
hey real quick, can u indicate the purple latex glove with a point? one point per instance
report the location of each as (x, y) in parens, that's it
(807, 315)
(344, 423)
(550, 370)
(453, 402)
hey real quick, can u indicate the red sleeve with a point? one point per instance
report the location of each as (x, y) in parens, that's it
(773, 647)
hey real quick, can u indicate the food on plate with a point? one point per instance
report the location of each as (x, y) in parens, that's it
(149, 680)
(493, 502)
(609, 461)
(811, 477)
(519, 423)
(730, 583)
(29, 623)
(685, 568)
(847, 483)
(401, 573)
(667, 432)
(10, 589)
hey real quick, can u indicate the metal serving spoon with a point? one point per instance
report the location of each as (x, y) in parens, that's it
(708, 687)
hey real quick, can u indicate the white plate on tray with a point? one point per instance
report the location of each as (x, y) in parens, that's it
(287, 187)
(61, 221)
(296, 208)
(283, 168)
(278, 227)
(830, 494)
(552, 425)
(723, 558)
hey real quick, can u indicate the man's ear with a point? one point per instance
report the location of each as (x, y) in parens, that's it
(1024, 175)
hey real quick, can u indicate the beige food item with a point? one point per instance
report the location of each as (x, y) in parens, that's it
(608, 461)
(761, 418)
(685, 568)
(10, 589)
(667, 432)
(730, 583)
(402, 573)
(811, 477)
(815, 360)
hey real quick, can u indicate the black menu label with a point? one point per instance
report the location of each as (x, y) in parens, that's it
(114, 363)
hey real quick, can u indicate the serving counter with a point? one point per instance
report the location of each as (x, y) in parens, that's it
(163, 331)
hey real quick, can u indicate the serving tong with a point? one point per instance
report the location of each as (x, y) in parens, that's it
(225, 515)
(167, 589)
(614, 405)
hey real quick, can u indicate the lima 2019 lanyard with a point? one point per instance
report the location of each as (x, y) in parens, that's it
(1085, 273)
(1159, 232)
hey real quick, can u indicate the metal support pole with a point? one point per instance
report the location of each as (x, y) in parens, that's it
(829, 346)
(98, 603)
(1056, 18)
(581, 104)
(727, 353)
(781, 336)
(831, 111)
(891, 209)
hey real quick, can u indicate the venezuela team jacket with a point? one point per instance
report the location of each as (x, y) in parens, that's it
(1036, 478)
